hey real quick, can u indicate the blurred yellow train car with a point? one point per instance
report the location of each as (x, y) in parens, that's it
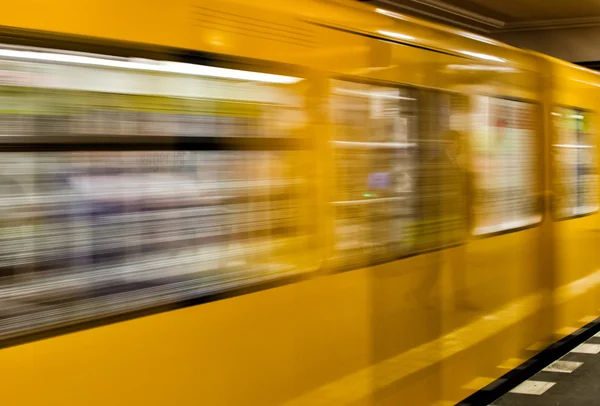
(290, 203)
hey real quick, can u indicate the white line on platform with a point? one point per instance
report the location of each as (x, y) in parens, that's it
(587, 349)
(565, 367)
(533, 387)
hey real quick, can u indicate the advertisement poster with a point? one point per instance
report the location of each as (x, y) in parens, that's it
(505, 156)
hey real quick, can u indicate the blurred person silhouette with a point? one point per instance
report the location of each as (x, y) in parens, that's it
(447, 206)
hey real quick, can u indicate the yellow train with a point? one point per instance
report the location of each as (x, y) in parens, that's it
(283, 203)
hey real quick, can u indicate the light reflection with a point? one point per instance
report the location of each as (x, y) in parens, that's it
(482, 56)
(390, 13)
(375, 94)
(479, 38)
(396, 35)
(146, 65)
(482, 68)
(572, 146)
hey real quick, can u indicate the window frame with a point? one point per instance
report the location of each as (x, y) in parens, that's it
(417, 91)
(553, 134)
(539, 165)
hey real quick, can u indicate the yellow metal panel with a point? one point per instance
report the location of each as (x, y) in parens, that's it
(262, 349)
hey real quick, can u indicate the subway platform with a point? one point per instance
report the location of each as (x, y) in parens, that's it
(572, 380)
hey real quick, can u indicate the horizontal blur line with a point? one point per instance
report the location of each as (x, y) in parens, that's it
(148, 143)
(390, 145)
(575, 216)
(572, 146)
(368, 201)
(271, 23)
(253, 33)
(293, 34)
(389, 39)
(78, 325)
(121, 250)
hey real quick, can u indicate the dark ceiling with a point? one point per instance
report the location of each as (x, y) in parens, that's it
(493, 16)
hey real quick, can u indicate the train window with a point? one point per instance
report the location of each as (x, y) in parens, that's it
(399, 171)
(505, 158)
(375, 162)
(93, 233)
(575, 168)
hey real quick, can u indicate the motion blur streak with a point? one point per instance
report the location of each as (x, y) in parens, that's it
(89, 233)
(303, 202)
(152, 66)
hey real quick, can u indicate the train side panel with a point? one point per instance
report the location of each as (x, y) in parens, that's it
(574, 99)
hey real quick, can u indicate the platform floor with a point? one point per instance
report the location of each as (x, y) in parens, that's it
(574, 380)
